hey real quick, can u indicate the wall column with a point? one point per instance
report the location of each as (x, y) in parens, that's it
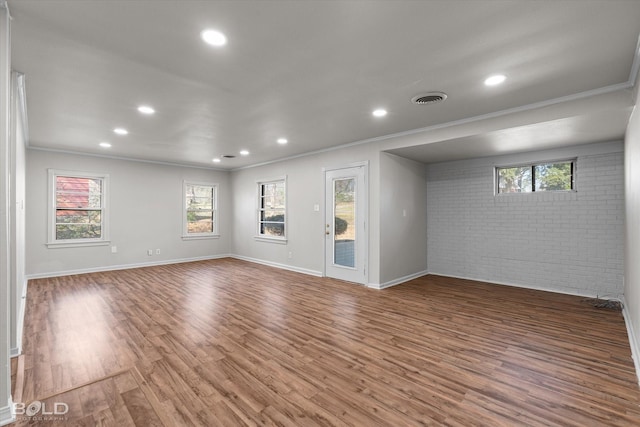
(6, 415)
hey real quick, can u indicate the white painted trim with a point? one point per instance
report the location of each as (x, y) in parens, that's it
(398, 281)
(365, 207)
(22, 102)
(122, 267)
(496, 114)
(263, 237)
(364, 163)
(635, 65)
(516, 285)
(127, 159)
(633, 342)
(278, 265)
(17, 351)
(214, 208)
(276, 240)
(6, 412)
(105, 208)
(630, 83)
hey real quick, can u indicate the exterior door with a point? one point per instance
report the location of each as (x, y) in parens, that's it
(345, 224)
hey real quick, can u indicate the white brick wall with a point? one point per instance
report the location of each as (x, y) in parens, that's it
(566, 242)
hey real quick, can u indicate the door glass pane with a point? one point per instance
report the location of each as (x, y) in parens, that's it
(344, 208)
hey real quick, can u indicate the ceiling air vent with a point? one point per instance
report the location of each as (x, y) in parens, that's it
(228, 156)
(429, 98)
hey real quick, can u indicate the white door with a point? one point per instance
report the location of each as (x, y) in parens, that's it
(345, 226)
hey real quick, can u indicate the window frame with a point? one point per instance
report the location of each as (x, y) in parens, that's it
(53, 241)
(185, 212)
(259, 190)
(532, 165)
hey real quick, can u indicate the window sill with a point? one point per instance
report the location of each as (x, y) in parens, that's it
(201, 236)
(277, 240)
(76, 244)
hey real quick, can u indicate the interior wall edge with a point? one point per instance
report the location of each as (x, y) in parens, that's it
(398, 281)
(633, 342)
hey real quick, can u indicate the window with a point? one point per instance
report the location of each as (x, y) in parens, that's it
(200, 215)
(551, 176)
(272, 209)
(78, 213)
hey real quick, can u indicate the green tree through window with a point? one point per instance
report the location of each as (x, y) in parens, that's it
(556, 176)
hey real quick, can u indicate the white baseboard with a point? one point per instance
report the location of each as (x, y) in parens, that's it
(586, 294)
(633, 341)
(17, 351)
(6, 414)
(397, 281)
(278, 265)
(123, 266)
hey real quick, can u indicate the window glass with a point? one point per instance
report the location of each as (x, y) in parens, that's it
(552, 176)
(78, 208)
(200, 205)
(271, 211)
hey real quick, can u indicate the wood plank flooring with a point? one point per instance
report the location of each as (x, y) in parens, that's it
(226, 342)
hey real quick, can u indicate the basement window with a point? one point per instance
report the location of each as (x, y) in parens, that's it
(537, 177)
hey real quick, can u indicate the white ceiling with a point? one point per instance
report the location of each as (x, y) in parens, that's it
(312, 71)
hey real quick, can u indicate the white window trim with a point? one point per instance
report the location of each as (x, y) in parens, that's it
(272, 239)
(216, 224)
(74, 243)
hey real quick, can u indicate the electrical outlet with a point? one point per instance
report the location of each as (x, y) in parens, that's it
(150, 252)
(157, 251)
(114, 249)
(290, 255)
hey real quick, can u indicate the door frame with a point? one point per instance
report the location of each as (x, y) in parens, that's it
(365, 213)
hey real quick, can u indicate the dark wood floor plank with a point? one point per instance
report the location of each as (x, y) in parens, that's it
(227, 342)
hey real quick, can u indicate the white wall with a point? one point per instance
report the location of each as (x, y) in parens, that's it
(145, 212)
(403, 218)
(566, 242)
(632, 247)
(305, 227)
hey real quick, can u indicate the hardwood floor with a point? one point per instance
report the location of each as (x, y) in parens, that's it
(227, 342)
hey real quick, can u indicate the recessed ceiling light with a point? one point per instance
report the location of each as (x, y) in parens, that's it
(145, 109)
(380, 112)
(214, 38)
(120, 131)
(495, 80)
(105, 145)
(282, 141)
(244, 153)
(216, 160)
